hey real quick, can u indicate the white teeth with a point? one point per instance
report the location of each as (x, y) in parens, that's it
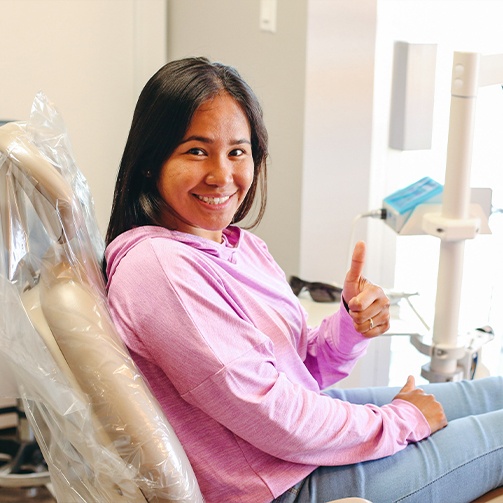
(213, 200)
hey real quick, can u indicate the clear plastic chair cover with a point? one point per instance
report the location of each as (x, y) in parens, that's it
(103, 435)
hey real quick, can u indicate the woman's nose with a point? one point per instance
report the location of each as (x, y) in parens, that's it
(219, 172)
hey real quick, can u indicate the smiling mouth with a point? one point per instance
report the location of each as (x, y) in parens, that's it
(213, 200)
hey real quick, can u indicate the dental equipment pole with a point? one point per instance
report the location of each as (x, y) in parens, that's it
(453, 225)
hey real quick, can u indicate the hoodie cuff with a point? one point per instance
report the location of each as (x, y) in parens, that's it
(352, 343)
(420, 429)
(344, 303)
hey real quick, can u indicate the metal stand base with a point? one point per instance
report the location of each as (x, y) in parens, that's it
(466, 355)
(24, 465)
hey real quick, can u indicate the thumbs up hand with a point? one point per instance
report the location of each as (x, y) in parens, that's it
(368, 304)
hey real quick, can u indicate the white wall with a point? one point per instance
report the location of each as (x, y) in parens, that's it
(90, 57)
(338, 133)
(336, 171)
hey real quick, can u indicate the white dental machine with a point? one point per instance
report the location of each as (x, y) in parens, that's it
(456, 219)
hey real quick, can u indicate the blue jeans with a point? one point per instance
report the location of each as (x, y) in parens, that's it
(456, 464)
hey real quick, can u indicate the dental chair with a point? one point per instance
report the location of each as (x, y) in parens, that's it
(102, 434)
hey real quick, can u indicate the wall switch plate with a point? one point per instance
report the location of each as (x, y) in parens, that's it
(268, 11)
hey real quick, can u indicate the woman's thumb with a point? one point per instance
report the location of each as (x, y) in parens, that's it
(410, 384)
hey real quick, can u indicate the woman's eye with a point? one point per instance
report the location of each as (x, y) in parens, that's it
(196, 151)
(237, 152)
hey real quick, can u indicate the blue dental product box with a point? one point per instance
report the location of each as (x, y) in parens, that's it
(400, 205)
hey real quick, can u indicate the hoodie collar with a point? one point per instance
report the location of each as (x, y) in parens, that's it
(121, 245)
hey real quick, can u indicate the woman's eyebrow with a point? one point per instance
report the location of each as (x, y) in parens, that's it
(204, 139)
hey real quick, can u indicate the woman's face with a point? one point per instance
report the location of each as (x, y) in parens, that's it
(208, 175)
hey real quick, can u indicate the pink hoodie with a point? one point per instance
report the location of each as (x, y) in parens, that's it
(225, 346)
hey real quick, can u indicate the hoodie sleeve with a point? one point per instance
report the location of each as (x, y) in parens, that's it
(333, 349)
(222, 364)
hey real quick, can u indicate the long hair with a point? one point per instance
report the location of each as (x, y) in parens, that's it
(161, 118)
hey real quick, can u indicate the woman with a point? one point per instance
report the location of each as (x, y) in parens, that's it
(215, 328)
